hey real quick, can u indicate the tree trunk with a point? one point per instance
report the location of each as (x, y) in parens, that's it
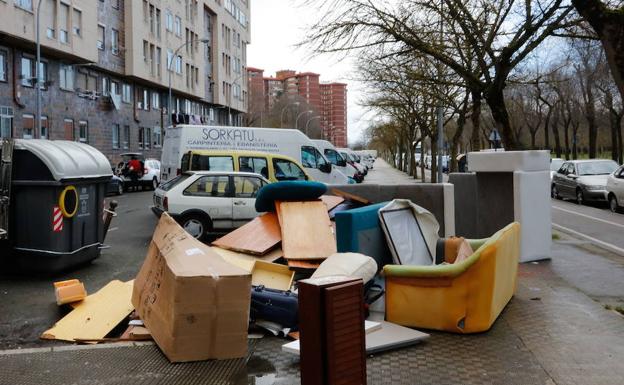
(566, 134)
(619, 141)
(496, 101)
(533, 133)
(592, 127)
(555, 129)
(434, 155)
(609, 26)
(575, 140)
(546, 129)
(475, 117)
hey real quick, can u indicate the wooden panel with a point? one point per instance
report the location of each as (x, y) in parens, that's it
(331, 201)
(306, 230)
(96, 315)
(246, 261)
(348, 196)
(272, 275)
(256, 237)
(307, 264)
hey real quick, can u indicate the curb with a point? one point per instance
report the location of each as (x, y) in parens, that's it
(70, 348)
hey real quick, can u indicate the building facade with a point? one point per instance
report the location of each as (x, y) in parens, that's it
(106, 66)
(327, 100)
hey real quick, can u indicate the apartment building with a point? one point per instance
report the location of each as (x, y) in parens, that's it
(107, 64)
(327, 100)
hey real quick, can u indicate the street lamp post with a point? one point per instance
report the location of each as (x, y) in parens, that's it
(308, 123)
(170, 64)
(284, 109)
(38, 76)
(301, 114)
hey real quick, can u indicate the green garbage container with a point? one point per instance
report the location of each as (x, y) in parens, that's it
(51, 204)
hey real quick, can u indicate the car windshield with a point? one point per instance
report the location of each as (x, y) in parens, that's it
(596, 168)
(173, 182)
(555, 164)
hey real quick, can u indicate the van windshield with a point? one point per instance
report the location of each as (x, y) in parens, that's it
(212, 163)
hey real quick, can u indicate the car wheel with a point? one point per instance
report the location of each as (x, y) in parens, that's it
(196, 225)
(554, 192)
(579, 197)
(154, 183)
(613, 204)
(120, 188)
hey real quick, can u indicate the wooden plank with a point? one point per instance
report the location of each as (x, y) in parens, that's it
(331, 201)
(301, 265)
(94, 317)
(306, 230)
(246, 261)
(256, 237)
(349, 196)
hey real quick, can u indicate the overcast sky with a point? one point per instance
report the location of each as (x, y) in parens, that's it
(276, 27)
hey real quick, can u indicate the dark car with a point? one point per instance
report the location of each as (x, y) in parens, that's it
(582, 180)
(115, 186)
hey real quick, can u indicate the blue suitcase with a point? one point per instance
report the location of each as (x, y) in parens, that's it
(281, 307)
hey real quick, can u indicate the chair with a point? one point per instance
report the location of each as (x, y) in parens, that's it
(466, 297)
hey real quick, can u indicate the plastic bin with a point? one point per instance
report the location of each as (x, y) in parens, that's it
(57, 191)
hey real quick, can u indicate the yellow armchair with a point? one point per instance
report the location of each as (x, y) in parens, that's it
(466, 297)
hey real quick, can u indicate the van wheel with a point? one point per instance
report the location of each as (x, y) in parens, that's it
(554, 193)
(613, 203)
(196, 225)
(579, 196)
(154, 183)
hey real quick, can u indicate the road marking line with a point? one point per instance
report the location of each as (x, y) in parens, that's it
(603, 244)
(113, 228)
(590, 217)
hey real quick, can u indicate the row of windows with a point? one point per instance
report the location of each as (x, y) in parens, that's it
(101, 39)
(148, 137)
(236, 12)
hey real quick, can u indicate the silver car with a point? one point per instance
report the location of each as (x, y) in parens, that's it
(615, 189)
(582, 180)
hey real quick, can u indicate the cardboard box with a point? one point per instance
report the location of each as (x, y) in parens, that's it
(195, 304)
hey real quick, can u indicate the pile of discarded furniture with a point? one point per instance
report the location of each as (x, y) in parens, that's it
(329, 269)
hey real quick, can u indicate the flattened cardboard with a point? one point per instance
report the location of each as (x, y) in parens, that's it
(195, 304)
(246, 261)
(95, 316)
(256, 237)
(306, 230)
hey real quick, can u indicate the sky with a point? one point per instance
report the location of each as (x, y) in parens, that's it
(276, 27)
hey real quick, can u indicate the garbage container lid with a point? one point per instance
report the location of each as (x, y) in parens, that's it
(66, 159)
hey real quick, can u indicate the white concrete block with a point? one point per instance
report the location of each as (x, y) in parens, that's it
(509, 161)
(532, 210)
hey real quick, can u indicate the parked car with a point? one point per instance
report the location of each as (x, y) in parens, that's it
(582, 180)
(115, 186)
(555, 164)
(615, 189)
(204, 201)
(148, 177)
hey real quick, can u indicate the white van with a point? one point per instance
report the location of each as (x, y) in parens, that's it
(335, 157)
(354, 159)
(294, 143)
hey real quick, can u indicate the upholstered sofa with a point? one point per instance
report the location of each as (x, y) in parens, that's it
(466, 297)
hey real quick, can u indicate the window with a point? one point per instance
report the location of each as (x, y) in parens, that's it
(142, 99)
(126, 137)
(178, 64)
(3, 66)
(152, 19)
(145, 51)
(28, 66)
(333, 156)
(247, 186)
(158, 55)
(25, 4)
(157, 136)
(287, 170)
(126, 93)
(114, 88)
(6, 122)
(115, 42)
(147, 137)
(44, 128)
(311, 158)
(64, 23)
(105, 86)
(116, 136)
(158, 23)
(77, 22)
(169, 59)
(66, 77)
(101, 35)
(49, 18)
(68, 129)
(140, 137)
(83, 129)
(212, 163)
(257, 165)
(155, 100)
(178, 26)
(43, 74)
(168, 21)
(209, 186)
(28, 125)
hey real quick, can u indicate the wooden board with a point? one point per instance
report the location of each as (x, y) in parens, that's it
(299, 265)
(331, 201)
(246, 261)
(95, 316)
(256, 237)
(348, 196)
(306, 230)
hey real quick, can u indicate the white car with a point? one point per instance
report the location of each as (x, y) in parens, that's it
(151, 171)
(205, 201)
(615, 189)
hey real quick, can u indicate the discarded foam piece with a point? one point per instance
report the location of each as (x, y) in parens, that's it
(257, 237)
(69, 291)
(347, 264)
(287, 191)
(380, 336)
(94, 317)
